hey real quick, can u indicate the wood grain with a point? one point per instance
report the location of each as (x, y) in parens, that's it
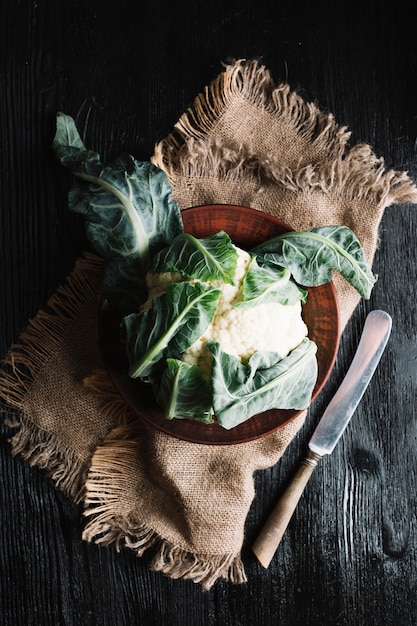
(126, 74)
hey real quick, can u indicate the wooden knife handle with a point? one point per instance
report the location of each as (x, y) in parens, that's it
(271, 534)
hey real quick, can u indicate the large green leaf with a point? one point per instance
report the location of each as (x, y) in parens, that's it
(266, 382)
(270, 283)
(212, 258)
(128, 209)
(183, 393)
(175, 321)
(312, 255)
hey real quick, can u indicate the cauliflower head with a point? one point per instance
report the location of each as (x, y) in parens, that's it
(240, 331)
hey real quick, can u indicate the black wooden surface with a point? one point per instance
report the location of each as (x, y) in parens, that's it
(126, 70)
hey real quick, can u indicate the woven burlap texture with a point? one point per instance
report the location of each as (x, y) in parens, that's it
(244, 141)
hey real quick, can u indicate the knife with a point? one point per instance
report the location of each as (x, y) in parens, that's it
(375, 334)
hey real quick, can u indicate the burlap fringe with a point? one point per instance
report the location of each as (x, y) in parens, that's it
(104, 488)
(203, 569)
(170, 560)
(112, 522)
(253, 82)
(352, 172)
(112, 404)
(61, 465)
(27, 357)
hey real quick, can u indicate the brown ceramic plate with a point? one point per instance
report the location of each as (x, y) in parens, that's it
(247, 228)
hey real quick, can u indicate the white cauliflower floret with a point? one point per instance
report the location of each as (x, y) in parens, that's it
(242, 331)
(233, 293)
(267, 327)
(158, 284)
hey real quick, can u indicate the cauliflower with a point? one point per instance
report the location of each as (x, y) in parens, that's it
(240, 331)
(221, 335)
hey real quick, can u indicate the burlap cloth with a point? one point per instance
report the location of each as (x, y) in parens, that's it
(244, 141)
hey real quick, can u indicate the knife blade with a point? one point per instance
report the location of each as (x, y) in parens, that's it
(332, 425)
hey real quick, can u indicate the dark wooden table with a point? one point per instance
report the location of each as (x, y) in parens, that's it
(126, 71)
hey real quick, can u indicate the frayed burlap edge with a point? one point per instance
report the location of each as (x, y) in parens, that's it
(192, 150)
(252, 81)
(105, 488)
(25, 360)
(105, 491)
